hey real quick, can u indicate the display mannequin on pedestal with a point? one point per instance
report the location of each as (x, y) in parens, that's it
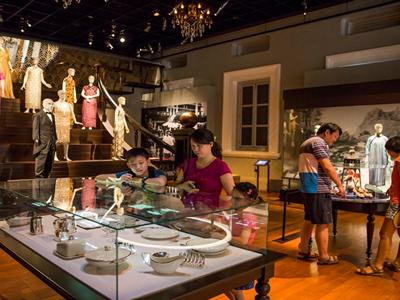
(45, 136)
(68, 86)
(376, 156)
(64, 114)
(120, 127)
(6, 69)
(33, 81)
(90, 93)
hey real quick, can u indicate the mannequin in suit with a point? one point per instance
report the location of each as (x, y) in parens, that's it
(44, 135)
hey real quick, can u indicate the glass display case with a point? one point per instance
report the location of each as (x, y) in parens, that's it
(106, 239)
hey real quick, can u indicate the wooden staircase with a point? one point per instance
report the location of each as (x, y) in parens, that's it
(90, 150)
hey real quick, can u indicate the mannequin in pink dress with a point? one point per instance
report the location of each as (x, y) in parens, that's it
(90, 94)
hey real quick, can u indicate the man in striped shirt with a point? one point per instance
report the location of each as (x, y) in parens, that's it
(316, 176)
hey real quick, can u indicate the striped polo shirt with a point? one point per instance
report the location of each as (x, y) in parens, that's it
(313, 178)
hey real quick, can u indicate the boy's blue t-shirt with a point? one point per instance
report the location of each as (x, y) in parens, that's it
(153, 173)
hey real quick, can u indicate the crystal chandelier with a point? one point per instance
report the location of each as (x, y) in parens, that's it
(192, 19)
(67, 3)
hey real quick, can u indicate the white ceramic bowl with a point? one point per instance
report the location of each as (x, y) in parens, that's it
(106, 256)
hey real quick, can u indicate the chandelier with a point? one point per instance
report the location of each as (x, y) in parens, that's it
(67, 3)
(192, 19)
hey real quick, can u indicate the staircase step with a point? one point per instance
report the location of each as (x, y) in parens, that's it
(78, 136)
(79, 168)
(9, 105)
(23, 152)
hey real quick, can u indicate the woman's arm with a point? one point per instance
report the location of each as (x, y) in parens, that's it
(227, 182)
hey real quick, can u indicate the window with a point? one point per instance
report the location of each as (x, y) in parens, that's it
(253, 99)
(264, 75)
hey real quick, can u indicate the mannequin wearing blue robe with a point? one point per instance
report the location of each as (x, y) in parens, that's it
(377, 159)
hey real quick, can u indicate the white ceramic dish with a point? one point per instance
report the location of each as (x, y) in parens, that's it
(159, 234)
(207, 254)
(212, 250)
(18, 221)
(107, 256)
(67, 257)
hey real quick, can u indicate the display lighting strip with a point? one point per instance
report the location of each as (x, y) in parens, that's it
(226, 239)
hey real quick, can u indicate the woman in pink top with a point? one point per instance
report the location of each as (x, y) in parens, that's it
(204, 176)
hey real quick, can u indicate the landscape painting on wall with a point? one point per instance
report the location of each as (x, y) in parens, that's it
(357, 123)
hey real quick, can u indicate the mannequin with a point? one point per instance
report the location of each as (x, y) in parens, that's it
(1, 84)
(376, 156)
(63, 115)
(6, 69)
(68, 86)
(120, 127)
(44, 136)
(90, 93)
(64, 194)
(33, 81)
(292, 126)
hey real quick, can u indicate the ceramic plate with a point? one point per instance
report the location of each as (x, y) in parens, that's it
(159, 234)
(217, 253)
(198, 242)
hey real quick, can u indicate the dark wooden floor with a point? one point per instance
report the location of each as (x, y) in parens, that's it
(293, 279)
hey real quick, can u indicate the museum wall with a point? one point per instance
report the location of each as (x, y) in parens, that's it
(300, 50)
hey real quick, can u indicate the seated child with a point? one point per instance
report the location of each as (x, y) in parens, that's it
(244, 226)
(139, 172)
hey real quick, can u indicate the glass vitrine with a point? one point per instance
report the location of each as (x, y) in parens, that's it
(117, 241)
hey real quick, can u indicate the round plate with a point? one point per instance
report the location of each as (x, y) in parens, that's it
(217, 253)
(197, 242)
(159, 234)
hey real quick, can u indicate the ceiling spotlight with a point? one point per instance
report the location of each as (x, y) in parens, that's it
(138, 53)
(221, 7)
(28, 23)
(112, 33)
(156, 13)
(122, 37)
(109, 45)
(150, 48)
(148, 27)
(90, 38)
(305, 7)
(22, 24)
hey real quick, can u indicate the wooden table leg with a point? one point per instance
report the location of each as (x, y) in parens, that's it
(370, 234)
(334, 218)
(262, 285)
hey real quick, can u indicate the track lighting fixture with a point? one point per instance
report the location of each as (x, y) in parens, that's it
(148, 27)
(109, 45)
(90, 38)
(112, 32)
(22, 24)
(150, 48)
(28, 23)
(122, 36)
(305, 7)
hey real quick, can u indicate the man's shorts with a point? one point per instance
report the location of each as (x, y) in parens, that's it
(317, 208)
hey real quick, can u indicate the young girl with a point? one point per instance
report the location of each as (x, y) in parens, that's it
(388, 227)
(244, 226)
